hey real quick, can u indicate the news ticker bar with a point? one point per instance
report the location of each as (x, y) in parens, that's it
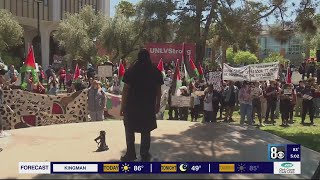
(160, 167)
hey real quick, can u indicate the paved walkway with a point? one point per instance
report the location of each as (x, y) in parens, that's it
(172, 141)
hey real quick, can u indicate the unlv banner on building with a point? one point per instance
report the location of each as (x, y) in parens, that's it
(170, 52)
(253, 72)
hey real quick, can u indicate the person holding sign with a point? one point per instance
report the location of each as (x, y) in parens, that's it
(307, 103)
(271, 95)
(287, 101)
(257, 94)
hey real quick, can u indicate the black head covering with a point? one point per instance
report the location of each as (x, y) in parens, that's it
(144, 58)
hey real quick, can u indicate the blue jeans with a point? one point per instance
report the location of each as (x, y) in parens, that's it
(246, 110)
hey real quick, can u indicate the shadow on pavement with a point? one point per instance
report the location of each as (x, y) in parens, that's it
(212, 142)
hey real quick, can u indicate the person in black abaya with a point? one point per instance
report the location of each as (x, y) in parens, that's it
(140, 103)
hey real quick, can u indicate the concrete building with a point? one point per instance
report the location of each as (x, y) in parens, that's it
(291, 50)
(50, 12)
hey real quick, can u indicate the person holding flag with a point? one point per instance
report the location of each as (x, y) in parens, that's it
(29, 66)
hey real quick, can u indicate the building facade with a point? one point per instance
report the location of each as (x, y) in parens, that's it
(293, 49)
(39, 18)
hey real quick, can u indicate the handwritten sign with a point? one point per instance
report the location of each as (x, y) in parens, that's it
(23, 109)
(236, 74)
(253, 72)
(214, 78)
(105, 71)
(181, 101)
(264, 71)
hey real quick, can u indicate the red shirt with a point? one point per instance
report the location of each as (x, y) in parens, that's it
(63, 74)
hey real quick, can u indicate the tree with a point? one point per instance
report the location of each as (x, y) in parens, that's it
(11, 32)
(275, 57)
(245, 57)
(78, 33)
(191, 15)
(119, 36)
(126, 32)
(230, 56)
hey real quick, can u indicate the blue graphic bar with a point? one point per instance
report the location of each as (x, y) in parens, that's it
(162, 167)
(293, 152)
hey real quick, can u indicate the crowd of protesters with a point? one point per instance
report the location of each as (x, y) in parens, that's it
(259, 102)
(54, 81)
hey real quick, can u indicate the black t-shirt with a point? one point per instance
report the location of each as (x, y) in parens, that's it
(140, 108)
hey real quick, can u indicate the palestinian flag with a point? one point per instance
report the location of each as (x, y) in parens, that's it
(186, 75)
(200, 70)
(29, 66)
(161, 68)
(177, 78)
(76, 72)
(194, 68)
(121, 72)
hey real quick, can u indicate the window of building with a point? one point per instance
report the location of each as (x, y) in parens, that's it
(295, 46)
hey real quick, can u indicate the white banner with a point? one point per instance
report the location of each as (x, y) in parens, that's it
(214, 78)
(236, 74)
(264, 71)
(253, 72)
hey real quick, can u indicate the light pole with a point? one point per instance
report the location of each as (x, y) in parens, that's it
(38, 26)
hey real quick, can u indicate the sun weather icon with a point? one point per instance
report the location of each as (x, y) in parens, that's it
(125, 167)
(241, 168)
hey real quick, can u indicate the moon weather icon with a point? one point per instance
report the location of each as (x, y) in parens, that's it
(183, 167)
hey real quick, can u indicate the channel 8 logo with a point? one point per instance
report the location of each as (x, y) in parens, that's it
(277, 152)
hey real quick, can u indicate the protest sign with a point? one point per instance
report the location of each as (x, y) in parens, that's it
(236, 74)
(114, 105)
(181, 101)
(253, 72)
(264, 71)
(105, 71)
(21, 109)
(214, 78)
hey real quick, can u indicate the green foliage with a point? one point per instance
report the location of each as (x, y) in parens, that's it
(11, 32)
(275, 57)
(245, 57)
(77, 33)
(100, 60)
(120, 36)
(126, 8)
(11, 59)
(230, 56)
(211, 64)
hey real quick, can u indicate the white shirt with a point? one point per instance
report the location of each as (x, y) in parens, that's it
(207, 104)
(196, 99)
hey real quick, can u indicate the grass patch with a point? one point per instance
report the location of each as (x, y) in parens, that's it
(306, 135)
